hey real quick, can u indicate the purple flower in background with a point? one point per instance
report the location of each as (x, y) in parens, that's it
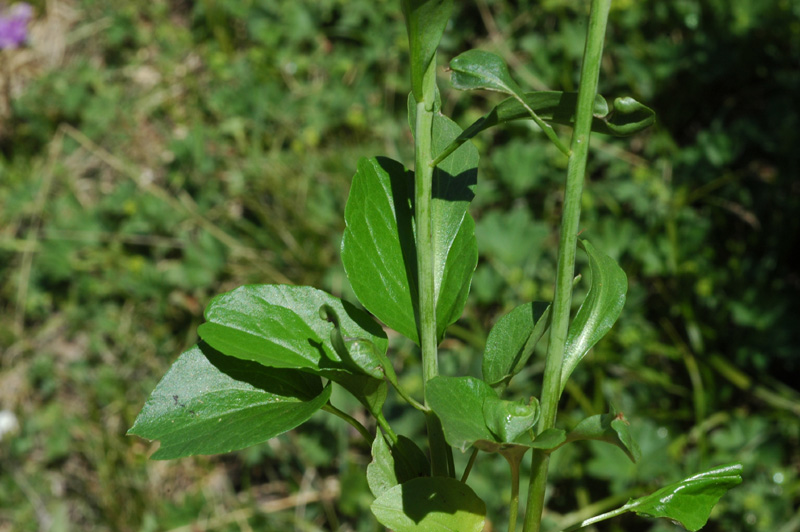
(14, 24)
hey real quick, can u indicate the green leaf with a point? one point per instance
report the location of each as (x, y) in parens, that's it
(379, 250)
(426, 21)
(431, 504)
(627, 118)
(549, 439)
(394, 465)
(378, 247)
(209, 403)
(302, 328)
(691, 500)
(478, 69)
(599, 310)
(458, 402)
(508, 420)
(281, 326)
(455, 247)
(454, 243)
(511, 342)
(610, 428)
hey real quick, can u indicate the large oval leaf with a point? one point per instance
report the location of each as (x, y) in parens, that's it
(691, 500)
(430, 504)
(378, 247)
(599, 310)
(209, 403)
(281, 326)
(511, 342)
(379, 244)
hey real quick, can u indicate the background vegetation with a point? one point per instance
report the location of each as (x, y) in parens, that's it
(155, 153)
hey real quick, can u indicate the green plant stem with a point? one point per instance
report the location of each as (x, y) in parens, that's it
(350, 419)
(596, 519)
(470, 463)
(514, 505)
(423, 186)
(410, 400)
(441, 453)
(576, 170)
(387, 429)
(545, 127)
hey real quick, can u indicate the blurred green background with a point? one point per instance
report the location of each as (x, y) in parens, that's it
(156, 153)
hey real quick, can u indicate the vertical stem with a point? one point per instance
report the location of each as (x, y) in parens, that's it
(423, 187)
(576, 169)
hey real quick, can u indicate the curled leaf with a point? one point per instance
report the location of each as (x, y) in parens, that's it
(691, 500)
(599, 311)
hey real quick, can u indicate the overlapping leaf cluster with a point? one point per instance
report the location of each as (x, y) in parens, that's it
(271, 354)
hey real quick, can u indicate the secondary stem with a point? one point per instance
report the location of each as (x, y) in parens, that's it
(576, 170)
(350, 419)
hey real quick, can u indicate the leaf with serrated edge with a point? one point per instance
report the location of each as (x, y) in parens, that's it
(599, 311)
(430, 504)
(691, 500)
(209, 403)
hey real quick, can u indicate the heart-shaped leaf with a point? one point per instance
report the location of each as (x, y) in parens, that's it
(394, 465)
(599, 310)
(610, 428)
(511, 342)
(209, 403)
(425, 22)
(430, 504)
(691, 500)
